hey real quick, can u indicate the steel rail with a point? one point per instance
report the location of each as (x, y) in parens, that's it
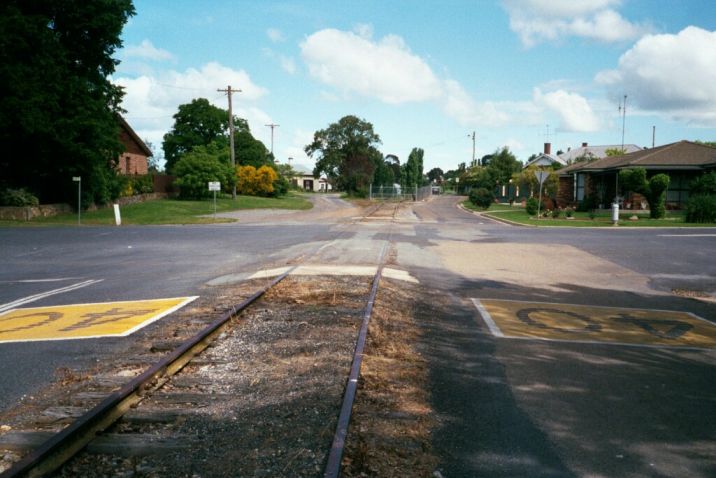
(62, 446)
(333, 466)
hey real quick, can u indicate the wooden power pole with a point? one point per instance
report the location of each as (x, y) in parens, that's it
(228, 92)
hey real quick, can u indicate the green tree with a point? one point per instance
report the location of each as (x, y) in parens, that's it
(706, 143)
(503, 165)
(614, 152)
(527, 180)
(198, 123)
(346, 153)
(435, 174)
(653, 189)
(249, 151)
(478, 177)
(57, 106)
(383, 175)
(414, 168)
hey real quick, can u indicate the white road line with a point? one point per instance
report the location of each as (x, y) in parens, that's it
(687, 235)
(488, 319)
(42, 295)
(28, 281)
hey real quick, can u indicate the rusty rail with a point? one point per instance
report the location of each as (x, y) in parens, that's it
(65, 444)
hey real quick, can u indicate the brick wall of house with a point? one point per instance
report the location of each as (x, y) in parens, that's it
(132, 163)
(565, 193)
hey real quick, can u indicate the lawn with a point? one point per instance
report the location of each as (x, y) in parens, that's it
(173, 211)
(518, 215)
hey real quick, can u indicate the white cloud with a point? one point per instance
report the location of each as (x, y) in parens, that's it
(384, 69)
(147, 51)
(673, 74)
(287, 63)
(275, 35)
(538, 20)
(152, 100)
(574, 110)
(460, 106)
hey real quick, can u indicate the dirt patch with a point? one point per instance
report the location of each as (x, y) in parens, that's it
(392, 419)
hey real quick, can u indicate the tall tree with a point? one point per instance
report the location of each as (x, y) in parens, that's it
(57, 106)
(503, 165)
(345, 153)
(198, 123)
(414, 168)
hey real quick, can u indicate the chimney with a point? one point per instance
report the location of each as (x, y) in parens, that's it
(584, 145)
(548, 148)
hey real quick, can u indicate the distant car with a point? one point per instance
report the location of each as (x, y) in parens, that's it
(436, 189)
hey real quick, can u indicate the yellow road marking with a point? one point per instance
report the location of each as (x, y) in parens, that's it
(580, 323)
(81, 321)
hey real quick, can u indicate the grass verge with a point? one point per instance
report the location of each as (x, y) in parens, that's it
(518, 215)
(172, 211)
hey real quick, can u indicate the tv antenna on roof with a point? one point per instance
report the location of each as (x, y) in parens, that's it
(622, 110)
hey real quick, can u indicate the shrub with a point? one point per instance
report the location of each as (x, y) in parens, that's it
(481, 197)
(704, 184)
(588, 203)
(255, 182)
(556, 214)
(280, 186)
(701, 208)
(17, 198)
(531, 206)
(195, 171)
(142, 184)
(569, 212)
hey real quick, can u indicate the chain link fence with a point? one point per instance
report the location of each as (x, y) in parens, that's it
(399, 193)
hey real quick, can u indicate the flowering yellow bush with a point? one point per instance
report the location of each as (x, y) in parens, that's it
(255, 182)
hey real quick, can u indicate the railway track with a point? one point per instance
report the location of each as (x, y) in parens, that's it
(148, 415)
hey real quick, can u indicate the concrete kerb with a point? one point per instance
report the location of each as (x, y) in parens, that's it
(494, 218)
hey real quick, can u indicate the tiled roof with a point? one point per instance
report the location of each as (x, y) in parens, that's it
(595, 151)
(679, 155)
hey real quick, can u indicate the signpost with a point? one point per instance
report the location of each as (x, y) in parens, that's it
(541, 177)
(78, 180)
(214, 186)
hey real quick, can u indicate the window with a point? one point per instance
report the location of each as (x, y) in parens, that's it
(579, 187)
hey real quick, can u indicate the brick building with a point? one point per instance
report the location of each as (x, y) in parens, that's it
(135, 158)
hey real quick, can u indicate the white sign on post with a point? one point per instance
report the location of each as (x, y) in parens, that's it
(214, 186)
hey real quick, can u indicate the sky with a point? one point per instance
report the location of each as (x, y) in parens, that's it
(427, 74)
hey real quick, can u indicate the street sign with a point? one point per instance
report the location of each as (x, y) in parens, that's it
(76, 178)
(214, 186)
(541, 176)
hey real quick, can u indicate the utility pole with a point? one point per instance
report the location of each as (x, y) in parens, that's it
(653, 136)
(272, 126)
(473, 147)
(228, 92)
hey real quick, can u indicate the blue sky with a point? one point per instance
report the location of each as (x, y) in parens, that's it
(427, 74)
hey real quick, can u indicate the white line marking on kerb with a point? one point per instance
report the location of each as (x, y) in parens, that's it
(42, 295)
(488, 319)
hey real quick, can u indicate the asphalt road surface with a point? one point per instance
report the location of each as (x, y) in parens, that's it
(564, 404)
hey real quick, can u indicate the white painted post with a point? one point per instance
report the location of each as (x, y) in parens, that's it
(117, 217)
